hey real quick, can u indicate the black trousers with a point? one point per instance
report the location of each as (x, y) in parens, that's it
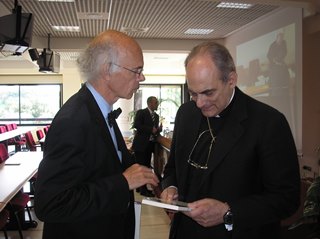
(144, 158)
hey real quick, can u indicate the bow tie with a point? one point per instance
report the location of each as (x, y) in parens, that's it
(113, 115)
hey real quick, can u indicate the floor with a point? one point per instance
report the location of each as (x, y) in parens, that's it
(154, 225)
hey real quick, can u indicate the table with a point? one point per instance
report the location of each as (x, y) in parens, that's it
(16, 171)
(16, 132)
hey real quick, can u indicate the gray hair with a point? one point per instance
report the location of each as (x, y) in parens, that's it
(95, 56)
(219, 54)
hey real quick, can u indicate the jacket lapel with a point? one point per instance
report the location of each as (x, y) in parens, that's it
(127, 158)
(229, 134)
(193, 114)
(98, 120)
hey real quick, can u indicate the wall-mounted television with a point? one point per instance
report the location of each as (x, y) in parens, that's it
(16, 31)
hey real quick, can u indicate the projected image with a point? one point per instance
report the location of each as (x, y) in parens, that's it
(267, 69)
(268, 60)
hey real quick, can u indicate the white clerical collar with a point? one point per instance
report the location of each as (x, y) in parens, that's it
(218, 116)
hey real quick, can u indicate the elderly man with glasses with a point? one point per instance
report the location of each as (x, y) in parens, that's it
(232, 159)
(86, 179)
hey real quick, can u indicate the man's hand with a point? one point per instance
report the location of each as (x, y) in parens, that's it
(138, 175)
(169, 194)
(207, 212)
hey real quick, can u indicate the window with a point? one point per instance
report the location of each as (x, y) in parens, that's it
(169, 96)
(29, 104)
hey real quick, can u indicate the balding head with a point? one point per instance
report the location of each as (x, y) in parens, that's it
(113, 65)
(104, 49)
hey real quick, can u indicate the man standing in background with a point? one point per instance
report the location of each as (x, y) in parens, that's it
(147, 127)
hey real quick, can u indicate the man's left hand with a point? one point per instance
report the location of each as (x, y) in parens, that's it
(207, 212)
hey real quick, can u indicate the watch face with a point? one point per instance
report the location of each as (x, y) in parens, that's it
(228, 218)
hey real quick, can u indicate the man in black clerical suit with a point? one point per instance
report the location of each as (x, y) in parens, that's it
(232, 159)
(147, 127)
(86, 179)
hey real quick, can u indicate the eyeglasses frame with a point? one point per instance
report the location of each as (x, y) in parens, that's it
(213, 140)
(139, 71)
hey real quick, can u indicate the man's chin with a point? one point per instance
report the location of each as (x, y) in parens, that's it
(208, 113)
(129, 96)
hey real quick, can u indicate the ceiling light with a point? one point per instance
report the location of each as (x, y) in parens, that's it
(66, 28)
(18, 49)
(198, 31)
(93, 15)
(134, 29)
(234, 5)
(56, 0)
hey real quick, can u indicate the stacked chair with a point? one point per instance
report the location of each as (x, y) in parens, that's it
(17, 141)
(31, 143)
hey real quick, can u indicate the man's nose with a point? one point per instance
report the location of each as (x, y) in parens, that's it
(200, 101)
(141, 77)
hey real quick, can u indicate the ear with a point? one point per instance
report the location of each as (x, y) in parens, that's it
(233, 79)
(107, 68)
(106, 71)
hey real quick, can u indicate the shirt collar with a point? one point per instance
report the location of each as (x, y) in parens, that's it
(102, 103)
(150, 111)
(231, 98)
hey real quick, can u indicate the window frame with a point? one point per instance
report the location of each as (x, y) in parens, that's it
(19, 121)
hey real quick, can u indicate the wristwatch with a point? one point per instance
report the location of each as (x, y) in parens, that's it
(228, 220)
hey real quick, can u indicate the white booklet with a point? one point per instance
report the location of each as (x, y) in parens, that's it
(174, 205)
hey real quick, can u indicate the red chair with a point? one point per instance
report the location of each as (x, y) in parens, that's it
(9, 127)
(30, 142)
(19, 202)
(17, 141)
(32, 146)
(16, 208)
(4, 155)
(3, 129)
(46, 129)
(4, 217)
(40, 134)
(14, 125)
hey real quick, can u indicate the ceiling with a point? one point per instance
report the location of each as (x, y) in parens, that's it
(144, 19)
(164, 19)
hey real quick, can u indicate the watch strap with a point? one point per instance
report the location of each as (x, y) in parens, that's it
(228, 219)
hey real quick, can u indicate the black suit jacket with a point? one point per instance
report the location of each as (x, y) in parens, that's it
(253, 167)
(144, 125)
(80, 189)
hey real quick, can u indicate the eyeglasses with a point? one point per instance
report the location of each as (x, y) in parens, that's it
(201, 137)
(137, 71)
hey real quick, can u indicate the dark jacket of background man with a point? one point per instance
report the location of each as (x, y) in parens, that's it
(144, 124)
